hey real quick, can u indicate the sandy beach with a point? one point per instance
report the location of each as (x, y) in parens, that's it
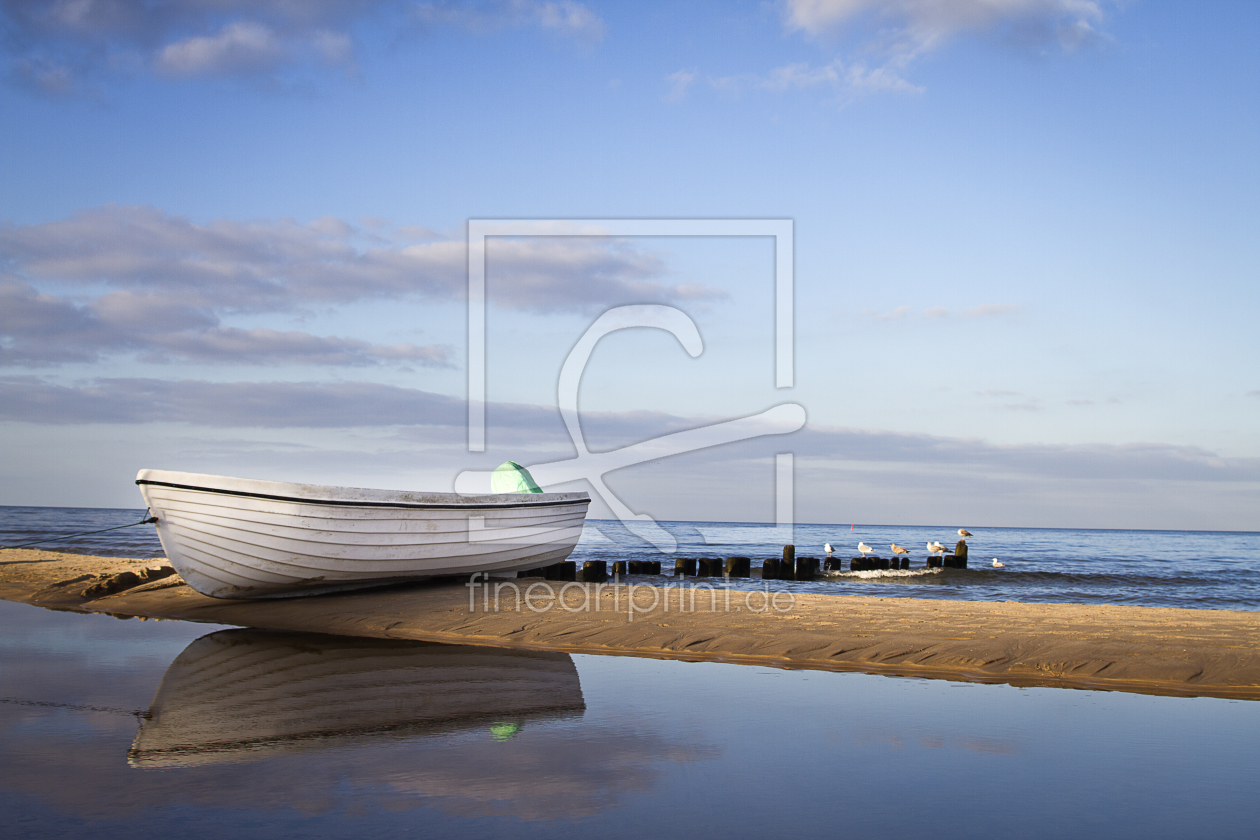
(1213, 653)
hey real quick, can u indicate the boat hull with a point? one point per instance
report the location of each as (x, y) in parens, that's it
(244, 538)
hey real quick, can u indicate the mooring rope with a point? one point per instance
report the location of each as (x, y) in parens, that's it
(75, 707)
(147, 519)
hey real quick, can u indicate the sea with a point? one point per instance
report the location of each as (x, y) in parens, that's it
(1191, 569)
(123, 728)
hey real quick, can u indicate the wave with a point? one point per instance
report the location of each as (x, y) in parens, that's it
(880, 574)
(1209, 577)
(1017, 576)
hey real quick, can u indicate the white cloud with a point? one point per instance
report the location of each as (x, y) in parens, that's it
(281, 264)
(887, 79)
(897, 33)
(46, 76)
(265, 346)
(895, 315)
(990, 310)
(562, 17)
(364, 404)
(232, 404)
(802, 75)
(40, 329)
(243, 47)
(54, 46)
(380, 435)
(567, 18)
(678, 83)
(333, 47)
(171, 282)
(856, 77)
(918, 26)
(252, 266)
(845, 79)
(582, 273)
(1077, 461)
(901, 31)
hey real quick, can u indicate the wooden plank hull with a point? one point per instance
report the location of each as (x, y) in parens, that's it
(243, 538)
(239, 695)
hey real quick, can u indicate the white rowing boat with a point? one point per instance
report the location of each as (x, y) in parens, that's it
(244, 538)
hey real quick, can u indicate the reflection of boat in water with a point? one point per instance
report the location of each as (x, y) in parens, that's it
(242, 538)
(242, 694)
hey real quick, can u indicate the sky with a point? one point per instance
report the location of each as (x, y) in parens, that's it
(1024, 249)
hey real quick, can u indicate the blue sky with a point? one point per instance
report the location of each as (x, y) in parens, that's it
(1026, 258)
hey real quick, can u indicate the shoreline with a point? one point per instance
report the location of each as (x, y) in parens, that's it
(1148, 650)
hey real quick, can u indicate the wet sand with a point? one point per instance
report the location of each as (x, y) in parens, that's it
(1210, 653)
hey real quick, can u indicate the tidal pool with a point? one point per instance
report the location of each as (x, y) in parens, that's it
(145, 728)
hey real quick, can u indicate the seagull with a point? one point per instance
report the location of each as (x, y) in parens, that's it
(935, 547)
(827, 548)
(864, 548)
(963, 532)
(896, 549)
(997, 564)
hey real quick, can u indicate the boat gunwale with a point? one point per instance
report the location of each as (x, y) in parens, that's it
(578, 500)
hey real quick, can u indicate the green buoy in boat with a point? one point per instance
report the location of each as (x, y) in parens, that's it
(511, 477)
